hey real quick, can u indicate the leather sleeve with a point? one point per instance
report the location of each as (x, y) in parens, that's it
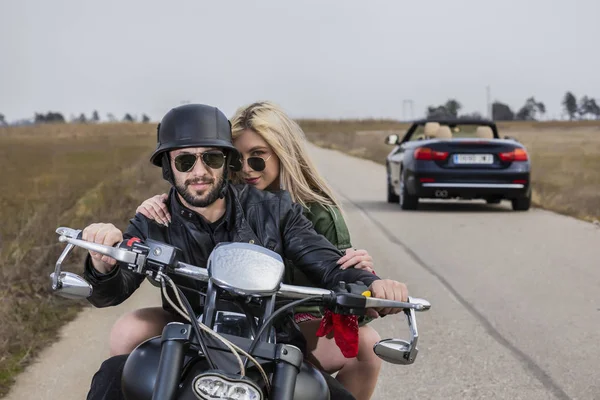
(313, 253)
(116, 286)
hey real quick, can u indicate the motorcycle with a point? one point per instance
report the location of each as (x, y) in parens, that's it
(229, 351)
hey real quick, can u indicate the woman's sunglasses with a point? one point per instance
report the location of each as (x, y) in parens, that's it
(257, 163)
(213, 159)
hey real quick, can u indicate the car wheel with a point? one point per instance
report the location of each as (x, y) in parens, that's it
(407, 201)
(521, 203)
(391, 196)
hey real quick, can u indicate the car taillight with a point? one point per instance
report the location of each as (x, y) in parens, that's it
(521, 155)
(427, 154)
(515, 155)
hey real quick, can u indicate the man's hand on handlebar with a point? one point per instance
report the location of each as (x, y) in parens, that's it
(390, 290)
(106, 234)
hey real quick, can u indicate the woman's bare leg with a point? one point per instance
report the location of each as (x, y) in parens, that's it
(136, 327)
(358, 375)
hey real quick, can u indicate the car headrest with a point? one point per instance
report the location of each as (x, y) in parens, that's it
(484, 132)
(444, 132)
(431, 128)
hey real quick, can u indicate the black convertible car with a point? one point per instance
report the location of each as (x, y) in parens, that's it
(457, 159)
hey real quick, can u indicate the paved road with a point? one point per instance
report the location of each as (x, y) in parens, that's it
(516, 299)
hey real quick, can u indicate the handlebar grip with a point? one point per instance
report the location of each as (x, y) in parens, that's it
(415, 304)
(354, 288)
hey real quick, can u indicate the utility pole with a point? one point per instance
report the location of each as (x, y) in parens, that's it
(489, 104)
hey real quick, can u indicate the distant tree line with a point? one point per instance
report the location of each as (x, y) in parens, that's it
(95, 117)
(585, 108)
(57, 117)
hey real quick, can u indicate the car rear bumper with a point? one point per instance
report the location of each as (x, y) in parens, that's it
(504, 185)
(491, 186)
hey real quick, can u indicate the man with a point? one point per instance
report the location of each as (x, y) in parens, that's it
(195, 150)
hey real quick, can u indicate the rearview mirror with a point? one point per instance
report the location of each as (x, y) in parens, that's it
(395, 351)
(392, 139)
(71, 286)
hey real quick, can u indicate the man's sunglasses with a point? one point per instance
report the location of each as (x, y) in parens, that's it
(213, 159)
(257, 163)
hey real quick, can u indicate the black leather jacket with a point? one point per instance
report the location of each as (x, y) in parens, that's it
(261, 217)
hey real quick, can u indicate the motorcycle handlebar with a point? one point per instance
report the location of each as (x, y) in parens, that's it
(301, 292)
(201, 274)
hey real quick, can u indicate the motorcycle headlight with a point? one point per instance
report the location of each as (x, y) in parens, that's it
(213, 385)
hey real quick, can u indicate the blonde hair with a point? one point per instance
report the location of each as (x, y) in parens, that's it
(298, 175)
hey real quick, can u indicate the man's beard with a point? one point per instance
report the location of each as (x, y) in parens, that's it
(207, 198)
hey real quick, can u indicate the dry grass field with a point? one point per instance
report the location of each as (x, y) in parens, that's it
(59, 175)
(72, 175)
(565, 156)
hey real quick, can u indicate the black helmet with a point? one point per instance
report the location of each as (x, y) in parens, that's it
(195, 125)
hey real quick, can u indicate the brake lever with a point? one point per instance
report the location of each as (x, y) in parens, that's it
(70, 232)
(118, 254)
(411, 318)
(413, 303)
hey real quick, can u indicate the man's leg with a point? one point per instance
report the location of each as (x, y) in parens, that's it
(106, 383)
(336, 389)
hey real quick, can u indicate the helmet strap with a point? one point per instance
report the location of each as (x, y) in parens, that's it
(166, 169)
(223, 191)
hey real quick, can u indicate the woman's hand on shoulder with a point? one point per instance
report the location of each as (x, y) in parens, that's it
(359, 259)
(155, 209)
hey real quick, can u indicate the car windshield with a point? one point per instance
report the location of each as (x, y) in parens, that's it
(454, 131)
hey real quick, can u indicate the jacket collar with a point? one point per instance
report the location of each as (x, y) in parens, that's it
(178, 208)
(243, 231)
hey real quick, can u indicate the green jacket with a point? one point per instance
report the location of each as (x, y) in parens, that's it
(330, 223)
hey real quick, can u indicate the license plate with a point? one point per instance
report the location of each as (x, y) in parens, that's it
(473, 159)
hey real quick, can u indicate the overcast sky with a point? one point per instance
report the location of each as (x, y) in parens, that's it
(335, 59)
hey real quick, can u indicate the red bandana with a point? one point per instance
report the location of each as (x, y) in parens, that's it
(345, 331)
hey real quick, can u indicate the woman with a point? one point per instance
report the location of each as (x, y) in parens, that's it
(274, 157)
